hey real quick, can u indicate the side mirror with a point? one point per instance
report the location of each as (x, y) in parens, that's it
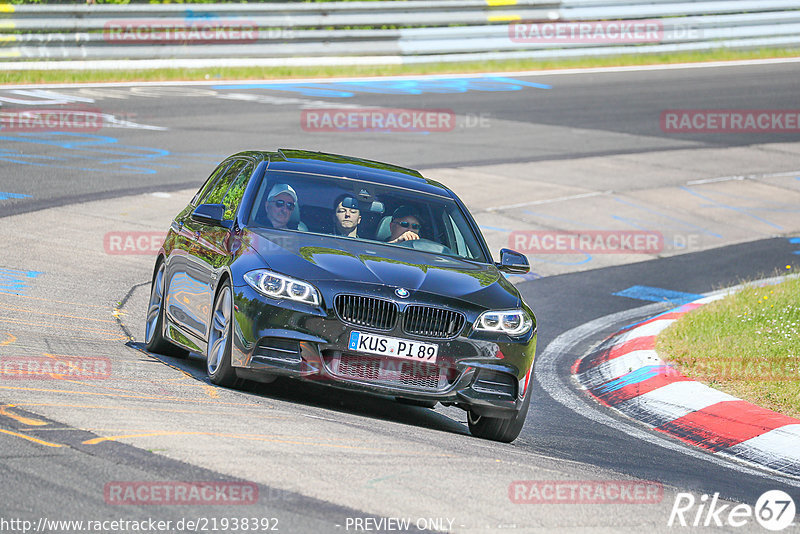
(210, 214)
(513, 262)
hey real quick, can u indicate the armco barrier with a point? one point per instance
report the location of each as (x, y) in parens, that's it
(413, 31)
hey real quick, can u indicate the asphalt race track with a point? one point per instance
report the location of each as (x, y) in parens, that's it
(557, 151)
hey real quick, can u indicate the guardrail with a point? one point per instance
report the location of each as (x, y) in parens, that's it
(414, 31)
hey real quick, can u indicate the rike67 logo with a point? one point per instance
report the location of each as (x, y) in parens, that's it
(774, 510)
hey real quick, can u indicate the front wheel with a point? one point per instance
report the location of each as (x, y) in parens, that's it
(218, 354)
(500, 429)
(154, 323)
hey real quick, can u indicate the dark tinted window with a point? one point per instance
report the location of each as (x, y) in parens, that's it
(233, 197)
(211, 181)
(445, 228)
(217, 193)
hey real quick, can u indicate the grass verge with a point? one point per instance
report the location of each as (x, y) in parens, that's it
(263, 73)
(747, 345)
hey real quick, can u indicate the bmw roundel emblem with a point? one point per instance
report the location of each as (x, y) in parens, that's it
(401, 292)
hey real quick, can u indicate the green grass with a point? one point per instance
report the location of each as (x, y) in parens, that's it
(250, 73)
(747, 344)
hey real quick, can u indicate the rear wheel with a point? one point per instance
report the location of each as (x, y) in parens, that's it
(154, 325)
(500, 429)
(218, 354)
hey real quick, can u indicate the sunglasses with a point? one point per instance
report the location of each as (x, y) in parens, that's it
(282, 203)
(406, 224)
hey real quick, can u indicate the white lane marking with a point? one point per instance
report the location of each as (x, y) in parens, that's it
(652, 328)
(565, 393)
(553, 72)
(675, 400)
(112, 121)
(549, 200)
(617, 367)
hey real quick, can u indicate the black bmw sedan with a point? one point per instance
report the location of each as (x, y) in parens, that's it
(349, 272)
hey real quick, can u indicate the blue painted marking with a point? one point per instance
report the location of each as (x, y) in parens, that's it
(636, 377)
(15, 281)
(650, 210)
(353, 344)
(93, 153)
(745, 211)
(348, 89)
(794, 240)
(541, 259)
(657, 294)
(6, 196)
(482, 227)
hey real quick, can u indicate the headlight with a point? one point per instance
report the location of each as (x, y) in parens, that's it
(279, 286)
(511, 322)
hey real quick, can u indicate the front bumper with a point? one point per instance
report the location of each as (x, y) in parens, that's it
(283, 338)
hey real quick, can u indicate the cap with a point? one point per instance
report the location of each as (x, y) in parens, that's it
(405, 211)
(277, 189)
(347, 202)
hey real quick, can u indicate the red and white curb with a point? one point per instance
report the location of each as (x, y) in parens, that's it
(626, 374)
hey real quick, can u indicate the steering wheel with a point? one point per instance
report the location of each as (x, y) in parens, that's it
(425, 245)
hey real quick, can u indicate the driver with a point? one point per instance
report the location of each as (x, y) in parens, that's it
(280, 203)
(405, 226)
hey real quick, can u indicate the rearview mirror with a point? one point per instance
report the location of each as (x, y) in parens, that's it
(513, 262)
(211, 214)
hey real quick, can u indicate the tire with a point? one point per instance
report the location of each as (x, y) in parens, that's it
(154, 321)
(414, 402)
(220, 339)
(500, 429)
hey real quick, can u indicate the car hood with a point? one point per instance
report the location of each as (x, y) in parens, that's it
(321, 258)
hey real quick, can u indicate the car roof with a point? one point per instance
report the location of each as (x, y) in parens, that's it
(337, 165)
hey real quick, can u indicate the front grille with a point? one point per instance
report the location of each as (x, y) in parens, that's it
(432, 322)
(391, 371)
(366, 311)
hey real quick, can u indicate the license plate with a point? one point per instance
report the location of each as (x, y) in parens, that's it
(392, 346)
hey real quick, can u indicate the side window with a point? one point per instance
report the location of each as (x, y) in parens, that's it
(217, 193)
(236, 191)
(210, 182)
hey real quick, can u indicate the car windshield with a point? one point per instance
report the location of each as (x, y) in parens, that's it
(367, 212)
